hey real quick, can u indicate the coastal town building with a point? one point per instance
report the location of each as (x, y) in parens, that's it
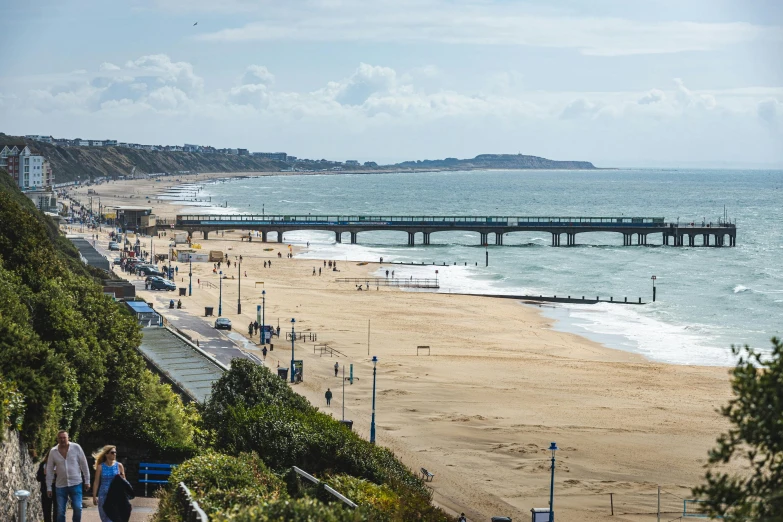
(279, 156)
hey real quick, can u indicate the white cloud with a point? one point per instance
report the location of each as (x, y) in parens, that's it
(768, 110)
(652, 96)
(485, 23)
(257, 75)
(691, 99)
(579, 108)
(161, 67)
(366, 81)
(106, 66)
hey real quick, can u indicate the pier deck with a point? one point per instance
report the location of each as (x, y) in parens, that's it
(638, 228)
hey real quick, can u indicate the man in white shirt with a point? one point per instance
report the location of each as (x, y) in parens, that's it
(72, 472)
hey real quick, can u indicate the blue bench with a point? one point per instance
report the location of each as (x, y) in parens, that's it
(158, 472)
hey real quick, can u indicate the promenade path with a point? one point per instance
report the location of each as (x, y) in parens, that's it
(143, 509)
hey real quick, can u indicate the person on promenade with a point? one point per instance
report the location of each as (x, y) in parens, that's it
(106, 468)
(336, 367)
(462, 518)
(328, 396)
(48, 504)
(250, 330)
(72, 471)
(263, 352)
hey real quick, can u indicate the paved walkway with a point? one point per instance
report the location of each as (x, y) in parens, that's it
(143, 508)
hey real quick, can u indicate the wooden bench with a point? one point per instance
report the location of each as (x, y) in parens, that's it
(426, 475)
(156, 470)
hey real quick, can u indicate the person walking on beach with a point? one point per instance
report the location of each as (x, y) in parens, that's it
(328, 396)
(336, 367)
(72, 471)
(313, 270)
(106, 468)
(319, 270)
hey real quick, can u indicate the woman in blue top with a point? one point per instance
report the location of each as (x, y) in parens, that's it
(106, 468)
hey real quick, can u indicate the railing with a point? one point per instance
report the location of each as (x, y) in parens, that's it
(191, 509)
(339, 496)
(246, 219)
(393, 282)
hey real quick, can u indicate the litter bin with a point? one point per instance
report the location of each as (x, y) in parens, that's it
(501, 519)
(182, 291)
(282, 373)
(208, 310)
(347, 423)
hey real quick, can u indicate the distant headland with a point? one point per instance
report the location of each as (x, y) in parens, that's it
(78, 159)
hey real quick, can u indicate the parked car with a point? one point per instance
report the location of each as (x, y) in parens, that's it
(113, 245)
(223, 323)
(117, 261)
(146, 270)
(162, 284)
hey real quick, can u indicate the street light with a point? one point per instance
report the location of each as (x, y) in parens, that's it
(263, 317)
(553, 448)
(190, 275)
(220, 299)
(293, 336)
(239, 289)
(372, 422)
(343, 391)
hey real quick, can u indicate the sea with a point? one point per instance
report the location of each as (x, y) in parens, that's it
(708, 299)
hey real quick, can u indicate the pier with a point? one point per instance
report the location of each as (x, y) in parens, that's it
(634, 230)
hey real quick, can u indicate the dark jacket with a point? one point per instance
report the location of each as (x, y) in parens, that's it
(117, 504)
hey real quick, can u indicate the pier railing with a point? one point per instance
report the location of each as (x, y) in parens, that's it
(439, 221)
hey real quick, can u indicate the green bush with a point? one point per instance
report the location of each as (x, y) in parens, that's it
(11, 407)
(298, 510)
(221, 483)
(246, 416)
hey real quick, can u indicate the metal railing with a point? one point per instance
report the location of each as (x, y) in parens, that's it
(190, 508)
(336, 494)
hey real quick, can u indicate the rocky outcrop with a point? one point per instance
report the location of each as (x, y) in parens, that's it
(17, 471)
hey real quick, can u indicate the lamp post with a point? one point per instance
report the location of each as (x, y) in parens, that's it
(293, 336)
(220, 299)
(653, 280)
(553, 448)
(263, 317)
(343, 391)
(190, 275)
(239, 289)
(372, 422)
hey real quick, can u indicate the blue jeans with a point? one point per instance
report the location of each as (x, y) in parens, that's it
(75, 494)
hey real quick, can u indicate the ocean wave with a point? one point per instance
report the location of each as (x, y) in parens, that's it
(741, 288)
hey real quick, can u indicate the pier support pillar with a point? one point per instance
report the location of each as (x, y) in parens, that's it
(411, 238)
(263, 236)
(691, 240)
(279, 236)
(338, 236)
(705, 240)
(499, 238)
(484, 238)
(733, 241)
(353, 237)
(426, 238)
(555, 239)
(205, 233)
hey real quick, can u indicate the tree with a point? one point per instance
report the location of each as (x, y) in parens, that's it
(755, 441)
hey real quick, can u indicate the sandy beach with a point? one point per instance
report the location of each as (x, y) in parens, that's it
(498, 386)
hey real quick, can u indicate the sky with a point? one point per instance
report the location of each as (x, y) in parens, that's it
(621, 83)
